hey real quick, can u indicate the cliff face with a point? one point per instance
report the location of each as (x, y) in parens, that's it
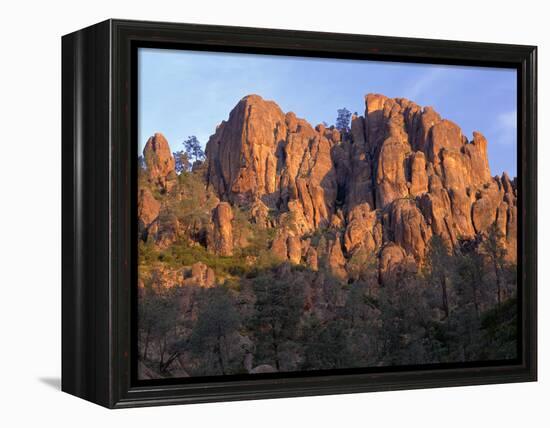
(401, 175)
(293, 247)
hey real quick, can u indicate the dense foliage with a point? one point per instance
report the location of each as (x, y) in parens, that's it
(460, 306)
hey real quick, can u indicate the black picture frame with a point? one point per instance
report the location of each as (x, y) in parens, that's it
(99, 113)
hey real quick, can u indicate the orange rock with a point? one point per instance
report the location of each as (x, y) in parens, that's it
(393, 260)
(242, 153)
(477, 160)
(402, 175)
(390, 177)
(312, 260)
(148, 211)
(419, 176)
(360, 229)
(220, 237)
(409, 228)
(201, 275)
(336, 260)
(159, 161)
(294, 247)
(484, 209)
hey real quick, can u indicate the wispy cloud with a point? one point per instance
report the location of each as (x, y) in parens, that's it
(424, 83)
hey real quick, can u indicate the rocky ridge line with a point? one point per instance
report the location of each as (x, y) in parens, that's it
(399, 176)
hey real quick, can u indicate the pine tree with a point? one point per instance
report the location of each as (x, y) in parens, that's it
(216, 321)
(343, 120)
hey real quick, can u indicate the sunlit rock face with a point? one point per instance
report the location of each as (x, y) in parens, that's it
(161, 166)
(400, 175)
(387, 238)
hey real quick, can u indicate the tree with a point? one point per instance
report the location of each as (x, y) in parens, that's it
(193, 149)
(362, 266)
(404, 316)
(470, 279)
(495, 252)
(278, 308)
(326, 345)
(182, 161)
(362, 318)
(158, 314)
(216, 322)
(343, 120)
(192, 152)
(439, 264)
(141, 163)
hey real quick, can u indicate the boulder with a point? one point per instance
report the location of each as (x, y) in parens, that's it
(199, 274)
(312, 260)
(393, 261)
(391, 179)
(484, 209)
(148, 211)
(294, 248)
(443, 135)
(287, 247)
(409, 228)
(419, 176)
(336, 260)
(263, 368)
(160, 163)
(220, 236)
(243, 152)
(360, 232)
(167, 231)
(477, 160)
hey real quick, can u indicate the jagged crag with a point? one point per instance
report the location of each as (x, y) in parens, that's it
(299, 248)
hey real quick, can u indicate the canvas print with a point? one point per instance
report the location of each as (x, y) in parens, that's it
(306, 214)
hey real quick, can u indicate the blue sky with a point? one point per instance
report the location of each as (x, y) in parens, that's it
(184, 93)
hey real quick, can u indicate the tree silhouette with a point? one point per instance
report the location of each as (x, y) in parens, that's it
(493, 248)
(182, 161)
(193, 149)
(217, 320)
(278, 307)
(440, 262)
(343, 120)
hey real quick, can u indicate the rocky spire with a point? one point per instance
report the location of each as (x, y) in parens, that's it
(159, 161)
(409, 172)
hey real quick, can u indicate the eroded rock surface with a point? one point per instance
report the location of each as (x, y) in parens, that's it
(220, 236)
(148, 212)
(161, 166)
(400, 162)
(401, 175)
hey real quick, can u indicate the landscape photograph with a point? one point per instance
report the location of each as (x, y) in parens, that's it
(312, 214)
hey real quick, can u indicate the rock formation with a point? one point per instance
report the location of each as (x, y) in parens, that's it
(200, 275)
(220, 236)
(290, 235)
(261, 153)
(148, 212)
(401, 175)
(161, 166)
